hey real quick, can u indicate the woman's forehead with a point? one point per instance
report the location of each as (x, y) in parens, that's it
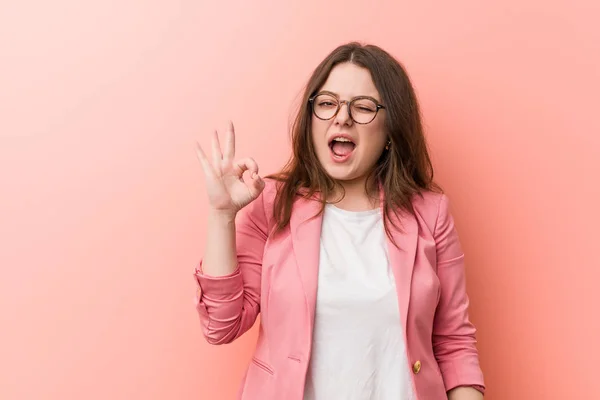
(349, 80)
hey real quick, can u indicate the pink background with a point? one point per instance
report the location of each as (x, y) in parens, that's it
(102, 206)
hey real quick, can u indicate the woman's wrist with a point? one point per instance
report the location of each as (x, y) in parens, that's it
(225, 216)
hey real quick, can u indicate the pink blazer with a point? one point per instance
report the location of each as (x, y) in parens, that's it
(277, 276)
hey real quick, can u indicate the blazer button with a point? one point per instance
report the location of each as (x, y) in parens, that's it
(417, 367)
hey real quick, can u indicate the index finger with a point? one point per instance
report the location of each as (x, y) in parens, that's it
(208, 169)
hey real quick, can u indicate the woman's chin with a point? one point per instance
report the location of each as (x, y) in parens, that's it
(341, 173)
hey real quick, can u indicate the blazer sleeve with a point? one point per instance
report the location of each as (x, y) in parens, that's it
(454, 342)
(228, 305)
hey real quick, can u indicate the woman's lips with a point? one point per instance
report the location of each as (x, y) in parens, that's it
(341, 150)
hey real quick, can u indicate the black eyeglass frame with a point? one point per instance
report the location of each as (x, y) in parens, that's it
(349, 103)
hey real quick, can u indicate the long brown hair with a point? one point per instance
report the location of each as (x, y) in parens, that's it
(401, 172)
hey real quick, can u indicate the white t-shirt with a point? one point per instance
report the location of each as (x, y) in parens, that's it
(358, 341)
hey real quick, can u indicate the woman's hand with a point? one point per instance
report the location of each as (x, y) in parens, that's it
(227, 188)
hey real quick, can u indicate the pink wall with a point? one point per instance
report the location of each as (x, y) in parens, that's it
(102, 208)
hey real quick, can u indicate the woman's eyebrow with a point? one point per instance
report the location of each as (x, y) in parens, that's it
(329, 92)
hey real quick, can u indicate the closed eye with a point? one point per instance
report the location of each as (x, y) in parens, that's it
(326, 103)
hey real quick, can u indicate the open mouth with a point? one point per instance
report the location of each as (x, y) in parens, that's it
(341, 147)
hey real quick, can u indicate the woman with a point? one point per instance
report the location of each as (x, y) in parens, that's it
(350, 254)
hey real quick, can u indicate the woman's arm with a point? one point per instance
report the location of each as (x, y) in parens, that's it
(220, 256)
(229, 275)
(454, 342)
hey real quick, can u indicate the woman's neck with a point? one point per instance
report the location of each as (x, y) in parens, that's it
(355, 198)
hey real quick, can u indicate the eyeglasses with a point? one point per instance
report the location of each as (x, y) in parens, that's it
(361, 109)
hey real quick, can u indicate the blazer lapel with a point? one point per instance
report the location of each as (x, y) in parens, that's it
(305, 226)
(402, 256)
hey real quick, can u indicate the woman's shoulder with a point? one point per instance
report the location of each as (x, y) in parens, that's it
(431, 203)
(270, 191)
(428, 198)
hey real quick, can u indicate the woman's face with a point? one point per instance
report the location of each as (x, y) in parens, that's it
(347, 150)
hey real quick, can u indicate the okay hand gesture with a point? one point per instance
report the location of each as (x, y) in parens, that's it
(228, 190)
